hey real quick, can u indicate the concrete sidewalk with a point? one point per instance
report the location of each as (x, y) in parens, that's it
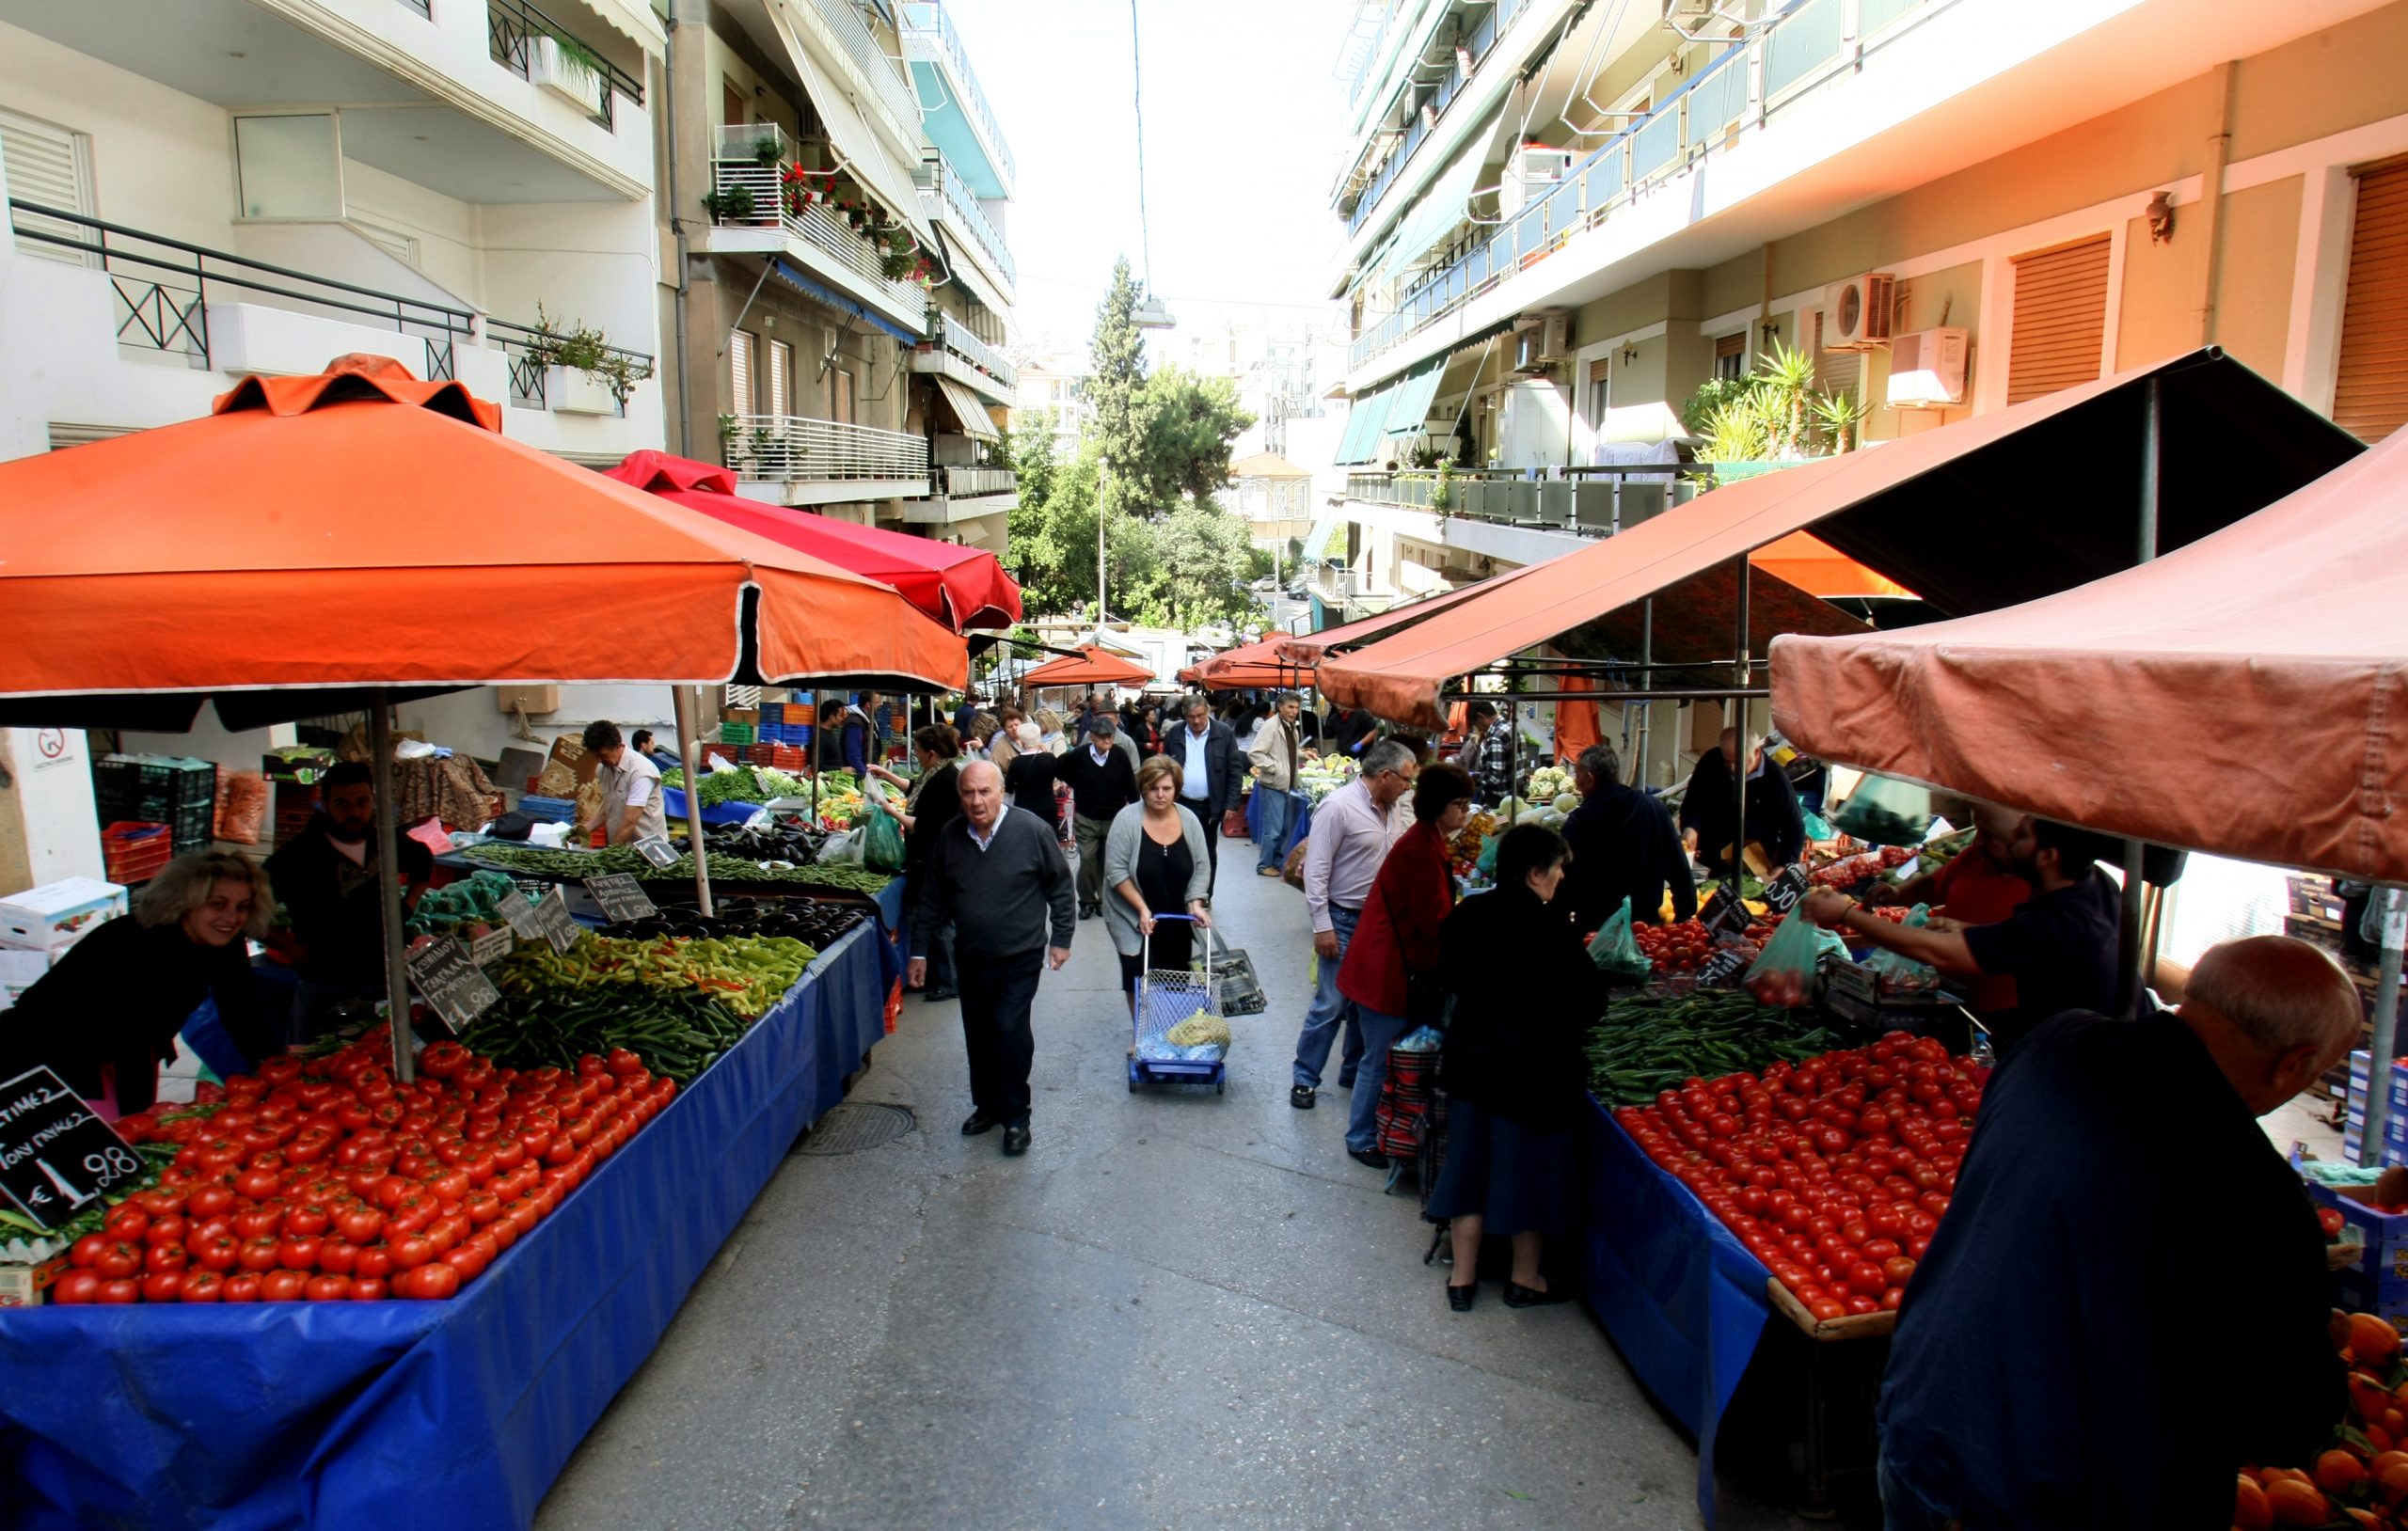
(1179, 1309)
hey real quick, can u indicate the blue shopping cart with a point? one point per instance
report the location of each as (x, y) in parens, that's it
(1164, 999)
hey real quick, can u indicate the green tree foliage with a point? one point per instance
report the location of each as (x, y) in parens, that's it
(1192, 422)
(1123, 412)
(1200, 559)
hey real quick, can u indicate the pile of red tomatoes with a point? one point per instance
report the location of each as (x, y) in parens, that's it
(1835, 1171)
(1674, 948)
(327, 1180)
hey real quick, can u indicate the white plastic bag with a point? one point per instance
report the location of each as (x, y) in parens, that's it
(843, 849)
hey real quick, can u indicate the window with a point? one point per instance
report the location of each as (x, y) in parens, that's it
(731, 103)
(739, 372)
(2370, 385)
(288, 166)
(1731, 355)
(841, 406)
(49, 166)
(2058, 335)
(781, 370)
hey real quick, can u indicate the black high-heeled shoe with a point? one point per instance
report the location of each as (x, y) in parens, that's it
(1459, 1297)
(1519, 1296)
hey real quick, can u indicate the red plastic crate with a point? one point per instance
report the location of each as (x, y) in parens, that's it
(136, 852)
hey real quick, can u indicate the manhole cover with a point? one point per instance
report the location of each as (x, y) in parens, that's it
(850, 1128)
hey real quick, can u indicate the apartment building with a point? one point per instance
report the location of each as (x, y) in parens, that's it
(848, 284)
(1053, 389)
(1559, 220)
(215, 188)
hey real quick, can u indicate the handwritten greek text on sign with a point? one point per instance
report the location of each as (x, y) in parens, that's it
(1784, 890)
(552, 919)
(491, 947)
(621, 896)
(1724, 968)
(1723, 913)
(55, 1156)
(657, 851)
(449, 980)
(519, 910)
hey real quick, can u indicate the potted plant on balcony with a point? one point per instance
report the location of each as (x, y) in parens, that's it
(566, 68)
(732, 204)
(766, 149)
(582, 373)
(730, 452)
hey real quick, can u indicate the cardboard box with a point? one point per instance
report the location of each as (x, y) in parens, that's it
(22, 1285)
(2386, 1236)
(57, 915)
(19, 971)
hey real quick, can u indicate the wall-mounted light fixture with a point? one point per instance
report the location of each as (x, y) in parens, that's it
(1770, 330)
(2161, 218)
(1631, 355)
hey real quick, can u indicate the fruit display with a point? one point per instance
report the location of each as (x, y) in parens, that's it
(1645, 1045)
(1686, 946)
(748, 974)
(2361, 1480)
(1834, 1170)
(1318, 778)
(327, 1180)
(1463, 852)
(1853, 872)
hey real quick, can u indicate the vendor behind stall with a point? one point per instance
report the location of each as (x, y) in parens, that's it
(2059, 947)
(632, 801)
(1773, 820)
(1974, 888)
(326, 878)
(107, 1016)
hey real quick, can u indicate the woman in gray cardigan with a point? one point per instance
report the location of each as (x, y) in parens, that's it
(1155, 860)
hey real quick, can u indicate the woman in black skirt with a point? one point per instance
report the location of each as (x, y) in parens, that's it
(1525, 992)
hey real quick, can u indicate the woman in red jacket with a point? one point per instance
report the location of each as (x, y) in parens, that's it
(1398, 934)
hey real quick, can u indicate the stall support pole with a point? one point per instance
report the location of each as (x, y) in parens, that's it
(1741, 672)
(2130, 979)
(2387, 1028)
(681, 701)
(1646, 683)
(388, 854)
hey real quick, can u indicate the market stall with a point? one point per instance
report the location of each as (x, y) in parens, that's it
(1090, 665)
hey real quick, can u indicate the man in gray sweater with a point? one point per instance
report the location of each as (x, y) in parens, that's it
(997, 876)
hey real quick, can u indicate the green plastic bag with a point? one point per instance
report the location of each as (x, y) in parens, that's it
(1487, 865)
(882, 843)
(1883, 811)
(1899, 975)
(1615, 950)
(1818, 826)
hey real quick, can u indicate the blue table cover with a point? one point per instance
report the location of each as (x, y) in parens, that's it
(1684, 1299)
(413, 1414)
(673, 805)
(1300, 819)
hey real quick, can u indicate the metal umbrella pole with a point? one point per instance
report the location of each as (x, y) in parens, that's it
(681, 701)
(2393, 905)
(1740, 671)
(2129, 980)
(389, 888)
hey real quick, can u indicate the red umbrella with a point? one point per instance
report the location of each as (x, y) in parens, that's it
(961, 587)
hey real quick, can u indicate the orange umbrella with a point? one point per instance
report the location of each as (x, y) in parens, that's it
(1092, 665)
(1817, 568)
(363, 527)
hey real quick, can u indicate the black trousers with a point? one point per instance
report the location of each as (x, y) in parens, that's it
(997, 993)
(1212, 823)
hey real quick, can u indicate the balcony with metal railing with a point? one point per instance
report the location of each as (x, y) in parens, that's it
(539, 381)
(1575, 502)
(1478, 45)
(953, 350)
(1744, 88)
(877, 65)
(953, 106)
(950, 202)
(750, 196)
(824, 461)
(542, 50)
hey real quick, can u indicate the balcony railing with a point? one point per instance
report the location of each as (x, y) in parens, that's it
(164, 288)
(951, 333)
(814, 226)
(1748, 85)
(528, 366)
(944, 191)
(787, 448)
(970, 483)
(525, 41)
(1582, 502)
(1479, 43)
(885, 73)
(929, 25)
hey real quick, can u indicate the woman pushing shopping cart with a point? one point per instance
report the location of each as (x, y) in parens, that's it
(1154, 866)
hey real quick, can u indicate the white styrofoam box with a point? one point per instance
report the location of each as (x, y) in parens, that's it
(57, 915)
(19, 971)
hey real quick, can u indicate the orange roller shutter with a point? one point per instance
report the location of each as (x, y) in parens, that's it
(2370, 385)
(2059, 331)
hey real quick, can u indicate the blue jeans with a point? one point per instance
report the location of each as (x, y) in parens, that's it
(1381, 1031)
(1328, 1010)
(1271, 835)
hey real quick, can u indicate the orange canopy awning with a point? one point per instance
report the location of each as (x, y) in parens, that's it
(1093, 665)
(1308, 649)
(363, 527)
(1817, 568)
(2240, 696)
(1973, 515)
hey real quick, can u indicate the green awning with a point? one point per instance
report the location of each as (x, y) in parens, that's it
(1365, 428)
(1410, 399)
(1328, 527)
(1441, 207)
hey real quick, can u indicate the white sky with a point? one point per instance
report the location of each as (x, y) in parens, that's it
(1242, 113)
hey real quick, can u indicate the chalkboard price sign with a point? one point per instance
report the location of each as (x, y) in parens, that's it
(659, 852)
(519, 910)
(1723, 914)
(552, 919)
(449, 979)
(1784, 890)
(1724, 967)
(55, 1156)
(491, 947)
(621, 896)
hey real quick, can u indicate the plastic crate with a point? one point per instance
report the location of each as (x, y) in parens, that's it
(134, 853)
(547, 810)
(196, 828)
(735, 733)
(772, 713)
(149, 789)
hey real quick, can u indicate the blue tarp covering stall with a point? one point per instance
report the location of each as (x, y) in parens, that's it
(1684, 1301)
(1300, 820)
(411, 1414)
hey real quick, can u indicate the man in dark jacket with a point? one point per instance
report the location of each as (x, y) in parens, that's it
(996, 875)
(1624, 845)
(1774, 822)
(935, 801)
(2022, 1390)
(326, 879)
(1102, 782)
(1212, 768)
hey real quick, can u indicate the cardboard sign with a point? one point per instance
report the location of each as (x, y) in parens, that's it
(659, 852)
(450, 980)
(1724, 969)
(55, 1156)
(1783, 892)
(621, 896)
(553, 922)
(492, 947)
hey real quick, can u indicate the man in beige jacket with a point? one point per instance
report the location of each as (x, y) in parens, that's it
(1278, 754)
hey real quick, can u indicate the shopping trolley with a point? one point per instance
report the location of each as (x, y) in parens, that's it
(1164, 998)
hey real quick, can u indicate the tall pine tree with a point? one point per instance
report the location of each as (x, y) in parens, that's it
(1123, 413)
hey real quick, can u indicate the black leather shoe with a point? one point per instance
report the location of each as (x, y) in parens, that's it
(1015, 1140)
(1300, 1096)
(1519, 1296)
(933, 995)
(1459, 1297)
(1368, 1156)
(980, 1122)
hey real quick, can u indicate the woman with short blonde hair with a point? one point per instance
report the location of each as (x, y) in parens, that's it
(1154, 863)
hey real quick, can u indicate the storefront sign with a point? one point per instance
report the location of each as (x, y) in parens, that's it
(447, 979)
(57, 1157)
(621, 896)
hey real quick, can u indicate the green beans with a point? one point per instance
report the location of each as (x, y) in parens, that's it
(1645, 1046)
(588, 863)
(676, 1035)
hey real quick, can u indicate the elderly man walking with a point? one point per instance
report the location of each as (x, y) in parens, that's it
(1214, 774)
(1352, 832)
(1279, 753)
(997, 876)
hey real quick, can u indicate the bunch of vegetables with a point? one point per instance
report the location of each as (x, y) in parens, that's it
(330, 1181)
(587, 863)
(1853, 870)
(679, 1034)
(1674, 948)
(749, 973)
(476, 902)
(2362, 1480)
(1549, 782)
(1833, 1171)
(740, 784)
(1644, 1046)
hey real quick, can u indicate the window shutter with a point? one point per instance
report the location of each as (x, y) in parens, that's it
(1597, 370)
(2060, 323)
(781, 368)
(45, 165)
(2370, 386)
(740, 371)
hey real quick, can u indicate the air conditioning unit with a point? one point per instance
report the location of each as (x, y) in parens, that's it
(1542, 339)
(1927, 369)
(1857, 312)
(1531, 172)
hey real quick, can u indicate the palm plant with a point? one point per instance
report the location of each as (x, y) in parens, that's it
(1843, 414)
(1785, 377)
